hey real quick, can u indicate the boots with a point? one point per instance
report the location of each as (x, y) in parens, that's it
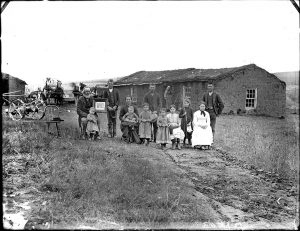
(114, 133)
(173, 144)
(190, 143)
(110, 130)
(184, 145)
(178, 144)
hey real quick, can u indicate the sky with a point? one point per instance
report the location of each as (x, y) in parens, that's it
(77, 41)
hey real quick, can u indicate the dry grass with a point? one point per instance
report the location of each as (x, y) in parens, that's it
(95, 181)
(133, 184)
(269, 143)
(292, 96)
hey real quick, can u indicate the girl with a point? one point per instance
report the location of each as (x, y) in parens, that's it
(186, 115)
(92, 128)
(202, 134)
(145, 125)
(174, 125)
(163, 133)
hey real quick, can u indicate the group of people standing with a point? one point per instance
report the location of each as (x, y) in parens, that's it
(154, 123)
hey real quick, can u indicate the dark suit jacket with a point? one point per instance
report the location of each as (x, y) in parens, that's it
(217, 102)
(153, 101)
(112, 101)
(84, 105)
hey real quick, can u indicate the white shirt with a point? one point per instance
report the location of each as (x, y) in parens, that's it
(110, 90)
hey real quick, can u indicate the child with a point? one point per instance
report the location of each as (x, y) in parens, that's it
(153, 121)
(130, 116)
(163, 133)
(145, 125)
(174, 123)
(202, 134)
(186, 115)
(131, 119)
(92, 128)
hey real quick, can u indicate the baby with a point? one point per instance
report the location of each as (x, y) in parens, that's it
(130, 116)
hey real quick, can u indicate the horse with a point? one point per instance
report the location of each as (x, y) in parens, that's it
(54, 92)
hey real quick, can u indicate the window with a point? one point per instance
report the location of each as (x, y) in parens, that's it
(251, 98)
(187, 92)
(133, 93)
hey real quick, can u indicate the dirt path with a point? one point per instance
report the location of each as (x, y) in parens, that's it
(238, 195)
(242, 195)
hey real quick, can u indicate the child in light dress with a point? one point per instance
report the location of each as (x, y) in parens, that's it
(163, 132)
(202, 135)
(174, 125)
(92, 128)
(145, 124)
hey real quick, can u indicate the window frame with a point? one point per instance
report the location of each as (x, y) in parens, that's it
(133, 93)
(185, 92)
(251, 94)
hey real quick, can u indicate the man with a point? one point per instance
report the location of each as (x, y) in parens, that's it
(112, 96)
(85, 102)
(124, 109)
(59, 93)
(76, 93)
(153, 99)
(214, 105)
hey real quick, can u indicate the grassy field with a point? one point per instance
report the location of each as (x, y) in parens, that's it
(292, 97)
(269, 143)
(90, 182)
(108, 180)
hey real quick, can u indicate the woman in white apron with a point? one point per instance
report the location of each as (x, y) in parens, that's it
(202, 135)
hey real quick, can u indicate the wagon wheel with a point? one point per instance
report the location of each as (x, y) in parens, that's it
(39, 111)
(16, 110)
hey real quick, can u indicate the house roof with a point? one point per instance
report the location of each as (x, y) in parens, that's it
(7, 76)
(180, 75)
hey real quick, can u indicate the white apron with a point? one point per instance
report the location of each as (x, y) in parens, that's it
(201, 136)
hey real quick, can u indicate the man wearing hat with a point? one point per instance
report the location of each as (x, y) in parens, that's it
(213, 105)
(112, 96)
(85, 102)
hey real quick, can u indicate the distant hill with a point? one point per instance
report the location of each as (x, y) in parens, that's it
(290, 78)
(90, 83)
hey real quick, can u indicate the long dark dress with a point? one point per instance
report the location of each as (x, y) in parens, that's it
(185, 119)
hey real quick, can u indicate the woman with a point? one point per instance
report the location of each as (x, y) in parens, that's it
(124, 125)
(202, 135)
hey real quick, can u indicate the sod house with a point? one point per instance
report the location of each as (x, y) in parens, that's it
(245, 89)
(12, 84)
